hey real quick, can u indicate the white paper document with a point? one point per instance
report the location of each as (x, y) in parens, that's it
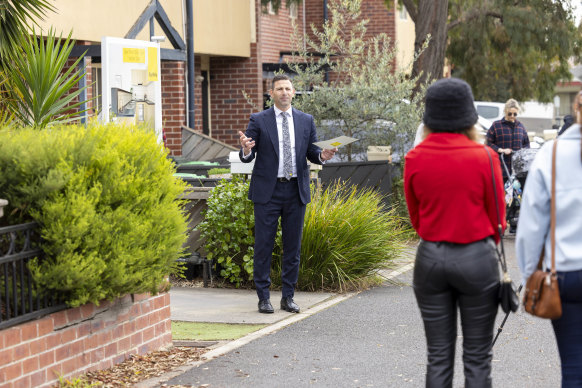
(336, 142)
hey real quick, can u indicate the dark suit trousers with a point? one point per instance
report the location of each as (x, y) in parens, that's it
(284, 203)
(448, 277)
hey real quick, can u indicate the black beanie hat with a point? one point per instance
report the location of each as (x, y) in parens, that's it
(449, 106)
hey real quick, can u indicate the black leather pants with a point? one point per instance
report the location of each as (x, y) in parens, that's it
(448, 275)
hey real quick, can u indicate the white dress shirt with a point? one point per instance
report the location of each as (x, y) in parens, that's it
(279, 119)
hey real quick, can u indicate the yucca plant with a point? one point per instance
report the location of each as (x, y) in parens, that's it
(42, 92)
(348, 236)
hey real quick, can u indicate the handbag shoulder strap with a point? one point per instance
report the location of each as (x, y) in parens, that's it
(553, 207)
(499, 228)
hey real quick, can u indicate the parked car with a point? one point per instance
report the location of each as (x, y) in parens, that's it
(490, 110)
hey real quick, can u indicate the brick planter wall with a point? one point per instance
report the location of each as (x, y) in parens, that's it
(74, 341)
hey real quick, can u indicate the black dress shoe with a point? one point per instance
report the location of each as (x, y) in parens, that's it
(287, 304)
(265, 306)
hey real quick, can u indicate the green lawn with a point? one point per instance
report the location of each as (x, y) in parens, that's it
(203, 331)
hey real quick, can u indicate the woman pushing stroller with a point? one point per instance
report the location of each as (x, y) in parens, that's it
(505, 137)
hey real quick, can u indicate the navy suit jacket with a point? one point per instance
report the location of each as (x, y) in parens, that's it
(262, 129)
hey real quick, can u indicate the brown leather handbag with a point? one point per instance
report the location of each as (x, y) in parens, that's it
(542, 295)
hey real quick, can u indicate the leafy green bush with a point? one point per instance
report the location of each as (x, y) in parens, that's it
(348, 236)
(228, 228)
(107, 206)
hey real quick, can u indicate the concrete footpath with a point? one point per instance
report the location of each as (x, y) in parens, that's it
(370, 339)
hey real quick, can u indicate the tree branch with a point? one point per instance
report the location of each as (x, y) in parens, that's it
(470, 16)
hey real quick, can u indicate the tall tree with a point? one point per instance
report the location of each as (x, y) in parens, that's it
(430, 20)
(517, 48)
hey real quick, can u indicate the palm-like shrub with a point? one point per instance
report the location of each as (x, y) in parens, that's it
(15, 19)
(348, 236)
(41, 90)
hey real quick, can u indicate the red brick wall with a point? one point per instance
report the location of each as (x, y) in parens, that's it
(313, 13)
(72, 342)
(381, 19)
(173, 104)
(230, 110)
(275, 32)
(88, 90)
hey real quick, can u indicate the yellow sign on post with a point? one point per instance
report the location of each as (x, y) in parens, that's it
(152, 63)
(133, 55)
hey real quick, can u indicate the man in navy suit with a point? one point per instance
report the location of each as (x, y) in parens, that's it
(280, 139)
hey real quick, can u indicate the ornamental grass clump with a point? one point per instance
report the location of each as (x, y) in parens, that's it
(107, 206)
(348, 236)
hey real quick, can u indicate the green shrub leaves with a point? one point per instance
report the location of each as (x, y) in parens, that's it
(348, 236)
(106, 202)
(228, 230)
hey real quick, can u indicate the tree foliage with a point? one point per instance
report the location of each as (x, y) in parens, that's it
(366, 96)
(507, 49)
(503, 48)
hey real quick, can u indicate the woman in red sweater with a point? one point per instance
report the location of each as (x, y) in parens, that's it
(451, 201)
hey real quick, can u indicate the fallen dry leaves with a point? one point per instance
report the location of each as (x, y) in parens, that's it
(138, 368)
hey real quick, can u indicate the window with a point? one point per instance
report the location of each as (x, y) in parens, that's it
(97, 86)
(293, 11)
(270, 10)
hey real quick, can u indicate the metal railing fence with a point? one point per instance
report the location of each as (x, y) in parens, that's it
(20, 298)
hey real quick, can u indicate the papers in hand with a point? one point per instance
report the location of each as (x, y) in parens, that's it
(336, 142)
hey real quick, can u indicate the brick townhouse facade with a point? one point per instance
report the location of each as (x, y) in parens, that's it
(220, 107)
(230, 110)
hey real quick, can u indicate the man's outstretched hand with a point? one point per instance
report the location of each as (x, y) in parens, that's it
(246, 143)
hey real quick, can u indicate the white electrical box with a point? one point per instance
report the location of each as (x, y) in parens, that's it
(238, 167)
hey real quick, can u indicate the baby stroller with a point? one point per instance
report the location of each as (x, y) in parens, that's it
(520, 162)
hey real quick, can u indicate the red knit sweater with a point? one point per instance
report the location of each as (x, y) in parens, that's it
(449, 190)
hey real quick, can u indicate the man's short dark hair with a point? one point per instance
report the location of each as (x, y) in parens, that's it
(280, 77)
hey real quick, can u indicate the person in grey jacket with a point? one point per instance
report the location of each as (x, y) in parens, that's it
(533, 236)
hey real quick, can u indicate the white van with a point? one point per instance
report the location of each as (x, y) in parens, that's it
(492, 111)
(533, 115)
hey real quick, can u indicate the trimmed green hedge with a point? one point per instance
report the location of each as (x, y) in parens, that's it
(106, 201)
